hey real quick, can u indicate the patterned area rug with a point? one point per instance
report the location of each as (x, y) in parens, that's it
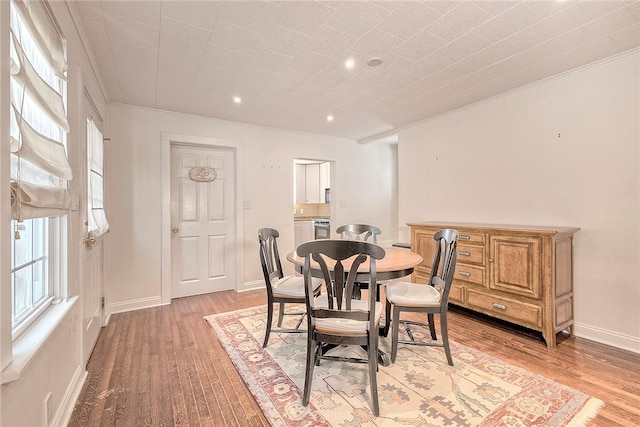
(420, 389)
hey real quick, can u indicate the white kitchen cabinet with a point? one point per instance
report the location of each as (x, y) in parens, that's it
(297, 237)
(300, 195)
(325, 179)
(310, 183)
(302, 232)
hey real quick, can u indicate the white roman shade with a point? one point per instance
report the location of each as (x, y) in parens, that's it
(45, 34)
(97, 218)
(40, 167)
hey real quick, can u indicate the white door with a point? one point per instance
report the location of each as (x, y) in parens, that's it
(202, 221)
(93, 271)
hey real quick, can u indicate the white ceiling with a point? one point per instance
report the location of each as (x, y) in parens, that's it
(286, 59)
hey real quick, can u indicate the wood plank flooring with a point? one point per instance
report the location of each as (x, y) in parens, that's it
(164, 366)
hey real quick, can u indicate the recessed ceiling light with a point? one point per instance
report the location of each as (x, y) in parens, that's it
(237, 100)
(374, 62)
(349, 63)
(329, 118)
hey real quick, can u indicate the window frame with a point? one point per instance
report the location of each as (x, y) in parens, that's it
(55, 256)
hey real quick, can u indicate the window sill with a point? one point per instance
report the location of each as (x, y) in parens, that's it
(32, 341)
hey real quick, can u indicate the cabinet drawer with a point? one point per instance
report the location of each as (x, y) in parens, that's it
(471, 237)
(506, 308)
(456, 294)
(471, 254)
(469, 273)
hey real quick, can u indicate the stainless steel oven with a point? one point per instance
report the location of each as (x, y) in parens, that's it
(321, 229)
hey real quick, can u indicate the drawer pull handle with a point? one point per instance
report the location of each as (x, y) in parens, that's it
(463, 237)
(464, 273)
(499, 306)
(464, 253)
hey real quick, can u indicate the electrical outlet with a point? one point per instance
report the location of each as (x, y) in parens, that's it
(48, 409)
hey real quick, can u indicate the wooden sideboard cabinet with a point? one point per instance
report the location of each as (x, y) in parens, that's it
(521, 274)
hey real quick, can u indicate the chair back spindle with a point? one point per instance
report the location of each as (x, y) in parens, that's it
(362, 232)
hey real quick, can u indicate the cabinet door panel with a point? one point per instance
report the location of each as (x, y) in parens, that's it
(515, 264)
(306, 231)
(564, 272)
(426, 247)
(301, 184)
(297, 233)
(456, 294)
(313, 183)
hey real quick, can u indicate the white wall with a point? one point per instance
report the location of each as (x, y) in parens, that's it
(363, 182)
(56, 370)
(561, 152)
(57, 366)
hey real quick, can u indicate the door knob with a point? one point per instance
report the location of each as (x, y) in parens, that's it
(90, 241)
(174, 230)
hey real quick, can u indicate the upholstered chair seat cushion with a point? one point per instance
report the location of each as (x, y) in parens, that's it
(339, 326)
(412, 294)
(292, 286)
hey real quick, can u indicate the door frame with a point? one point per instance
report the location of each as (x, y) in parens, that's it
(203, 142)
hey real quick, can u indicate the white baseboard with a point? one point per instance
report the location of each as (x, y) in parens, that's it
(149, 302)
(63, 415)
(136, 304)
(604, 336)
(250, 286)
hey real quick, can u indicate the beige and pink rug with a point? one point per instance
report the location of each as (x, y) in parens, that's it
(420, 389)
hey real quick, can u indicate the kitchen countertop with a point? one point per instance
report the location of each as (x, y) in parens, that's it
(309, 218)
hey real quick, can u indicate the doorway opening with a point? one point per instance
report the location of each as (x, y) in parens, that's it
(311, 200)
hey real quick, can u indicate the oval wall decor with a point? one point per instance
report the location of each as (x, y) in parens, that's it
(203, 174)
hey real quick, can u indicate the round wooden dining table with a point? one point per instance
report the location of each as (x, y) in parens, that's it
(396, 263)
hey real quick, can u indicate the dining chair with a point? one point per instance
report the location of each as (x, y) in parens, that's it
(360, 232)
(281, 289)
(431, 298)
(334, 319)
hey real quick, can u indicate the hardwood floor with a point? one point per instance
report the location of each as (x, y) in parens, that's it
(164, 366)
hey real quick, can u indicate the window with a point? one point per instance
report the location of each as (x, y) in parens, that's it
(37, 259)
(40, 168)
(29, 267)
(96, 218)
